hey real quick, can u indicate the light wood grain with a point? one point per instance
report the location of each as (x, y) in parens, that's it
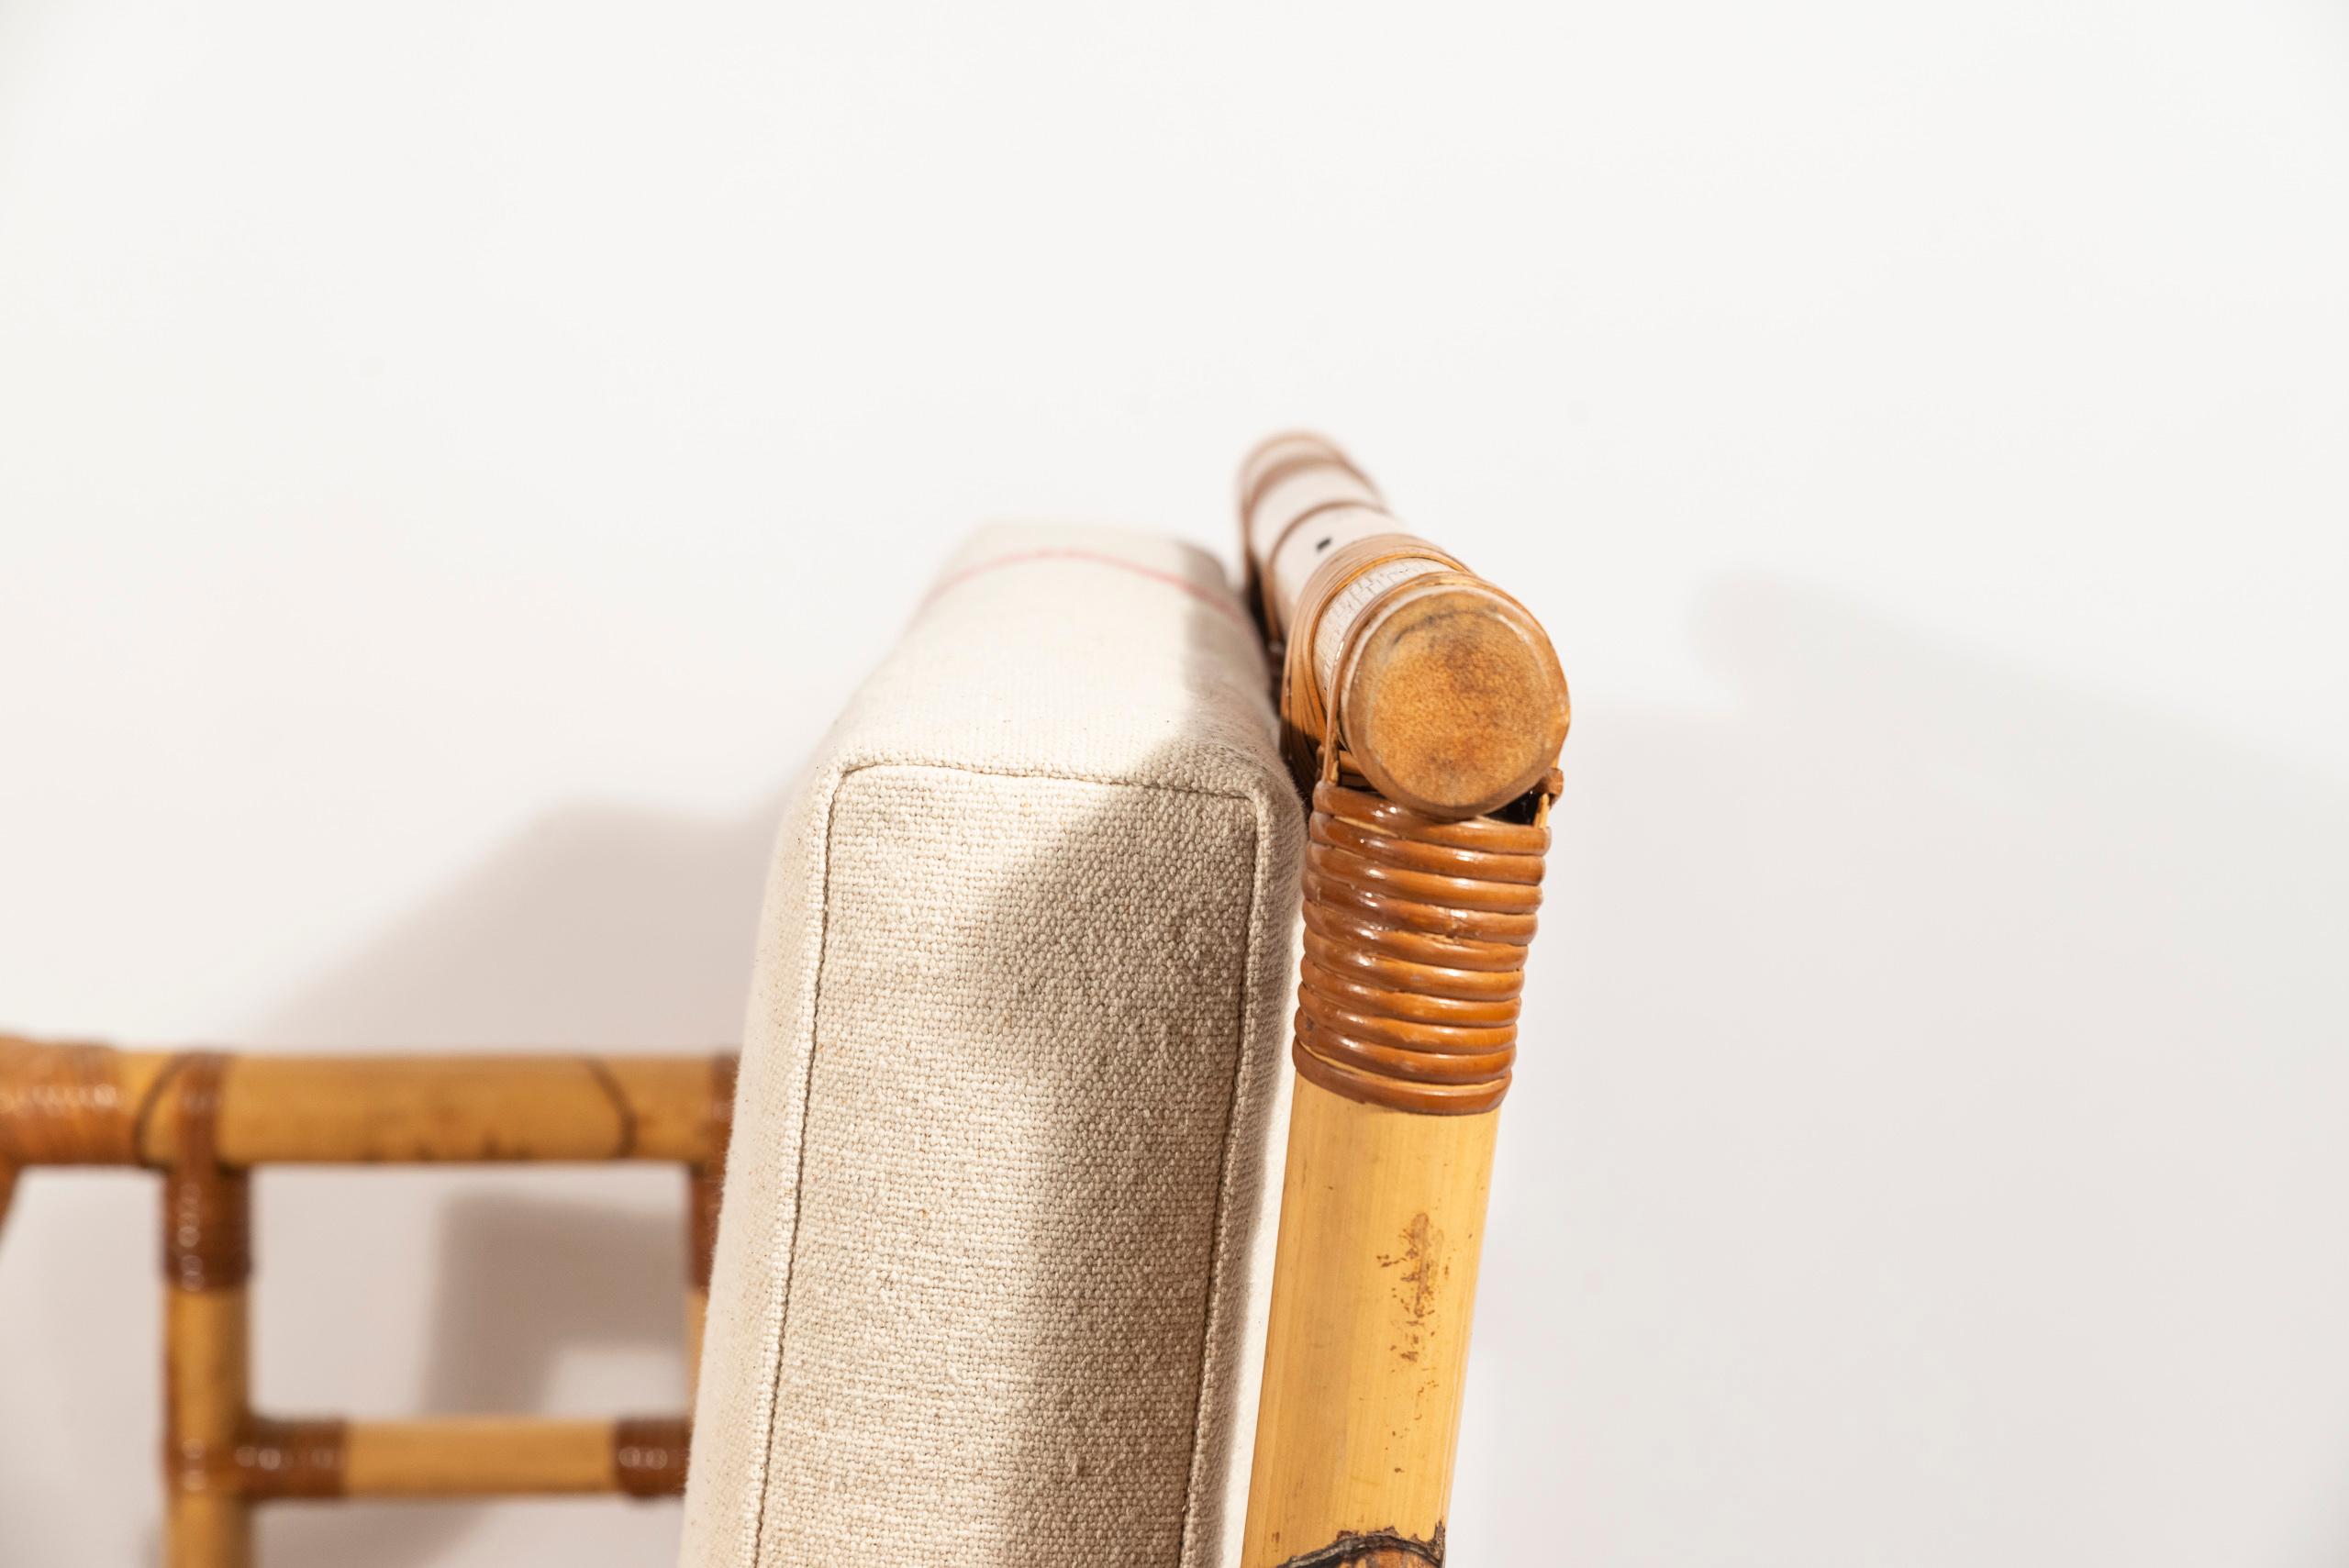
(206, 1375)
(1382, 1225)
(426, 1107)
(484, 1456)
(697, 1330)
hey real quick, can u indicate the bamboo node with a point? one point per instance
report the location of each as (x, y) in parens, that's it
(209, 1469)
(292, 1459)
(1375, 1549)
(649, 1455)
(208, 1225)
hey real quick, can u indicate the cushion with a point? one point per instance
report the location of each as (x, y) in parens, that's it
(1015, 1039)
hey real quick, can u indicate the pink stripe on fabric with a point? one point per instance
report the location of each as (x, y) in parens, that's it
(1220, 604)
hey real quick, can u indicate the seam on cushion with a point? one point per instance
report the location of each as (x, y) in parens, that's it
(1243, 1085)
(1218, 1258)
(765, 1448)
(807, 1098)
(1225, 606)
(1078, 775)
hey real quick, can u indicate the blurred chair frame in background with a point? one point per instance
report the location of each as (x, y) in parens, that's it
(205, 1121)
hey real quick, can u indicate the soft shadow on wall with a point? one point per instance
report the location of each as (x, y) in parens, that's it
(1926, 1146)
(392, 1293)
(551, 1290)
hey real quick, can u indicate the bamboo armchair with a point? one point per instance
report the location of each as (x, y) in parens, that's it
(1421, 710)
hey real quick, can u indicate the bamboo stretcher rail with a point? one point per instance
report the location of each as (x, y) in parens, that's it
(82, 1104)
(1424, 710)
(502, 1457)
(205, 1120)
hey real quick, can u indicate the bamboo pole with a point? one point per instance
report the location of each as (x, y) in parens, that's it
(409, 1109)
(207, 1334)
(504, 1456)
(704, 1185)
(82, 1104)
(697, 1334)
(1416, 699)
(206, 1363)
(1371, 1296)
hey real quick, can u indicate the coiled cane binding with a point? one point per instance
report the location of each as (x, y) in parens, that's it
(1415, 941)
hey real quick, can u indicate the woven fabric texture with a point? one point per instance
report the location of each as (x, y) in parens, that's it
(991, 1216)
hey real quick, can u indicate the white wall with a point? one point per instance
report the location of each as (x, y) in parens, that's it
(455, 456)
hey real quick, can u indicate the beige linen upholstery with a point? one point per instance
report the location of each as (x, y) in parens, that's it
(1015, 1039)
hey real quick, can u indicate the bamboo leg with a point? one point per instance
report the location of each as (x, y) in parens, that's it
(206, 1363)
(696, 1328)
(1415, 934)
(82, 1104)
(1382, 1225)
(704, 1184)
(206, 1355)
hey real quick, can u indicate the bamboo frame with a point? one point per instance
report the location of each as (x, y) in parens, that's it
(1424, 710)
(204, 1120)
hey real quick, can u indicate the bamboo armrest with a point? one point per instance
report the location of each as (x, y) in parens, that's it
(1423, 708)
(1437, 687)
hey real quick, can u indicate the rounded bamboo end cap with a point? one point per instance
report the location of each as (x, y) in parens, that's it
(1454, 704)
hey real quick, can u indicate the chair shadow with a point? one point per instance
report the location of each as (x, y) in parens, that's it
(1931, 1078)
(551, 1290)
